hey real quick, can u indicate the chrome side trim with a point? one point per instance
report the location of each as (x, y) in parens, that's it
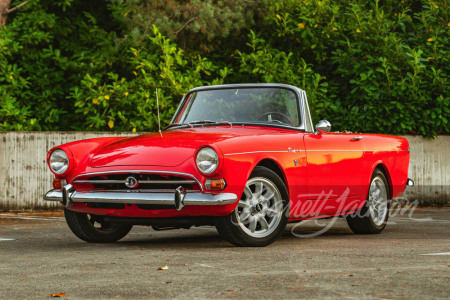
(316, 150)
(143, 198)
(138, 172)
(239, 153)
(360, 150)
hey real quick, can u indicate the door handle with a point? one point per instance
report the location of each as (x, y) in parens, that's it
(357, 138)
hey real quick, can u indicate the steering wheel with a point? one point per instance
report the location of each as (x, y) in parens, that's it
(277, 113)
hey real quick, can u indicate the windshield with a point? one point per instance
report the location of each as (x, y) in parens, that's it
(274, 105)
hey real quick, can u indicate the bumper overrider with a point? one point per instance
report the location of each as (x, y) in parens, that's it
(409, 182)
(178, 199)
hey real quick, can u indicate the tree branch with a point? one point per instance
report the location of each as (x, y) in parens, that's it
(178, 31)
(17, 6)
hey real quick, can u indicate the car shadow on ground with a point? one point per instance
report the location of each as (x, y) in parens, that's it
(204, 237)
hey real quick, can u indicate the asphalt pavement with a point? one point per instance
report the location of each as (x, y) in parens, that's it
(39, 256)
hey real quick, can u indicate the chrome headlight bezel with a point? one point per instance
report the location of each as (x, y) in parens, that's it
(58, 161)
(207, 160)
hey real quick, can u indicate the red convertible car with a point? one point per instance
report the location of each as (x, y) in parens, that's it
(244, 158)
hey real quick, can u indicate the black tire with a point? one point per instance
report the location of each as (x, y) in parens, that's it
(83, 226)
(365, 221)
(275, 216)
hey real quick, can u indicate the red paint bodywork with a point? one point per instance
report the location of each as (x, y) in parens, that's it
(331, 176)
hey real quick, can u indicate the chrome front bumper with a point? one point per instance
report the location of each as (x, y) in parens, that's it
(178, 199)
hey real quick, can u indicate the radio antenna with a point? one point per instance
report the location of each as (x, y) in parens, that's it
(157, 108)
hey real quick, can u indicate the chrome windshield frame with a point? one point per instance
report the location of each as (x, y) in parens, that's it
(299, 93)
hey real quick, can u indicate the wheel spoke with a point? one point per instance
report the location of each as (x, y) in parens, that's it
(244, 216)
(248, 192)
(373, 186)
(269, 195)
(271, 212)
(376, 193)
(375, 209)
(243, 204)
(375, 205)
(263, 222)
(381, 210)
(277, 206)
(379, 201)
(372, 212)
(252, 224)
(259, 189)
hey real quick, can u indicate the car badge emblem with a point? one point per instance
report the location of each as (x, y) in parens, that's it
(131, 182)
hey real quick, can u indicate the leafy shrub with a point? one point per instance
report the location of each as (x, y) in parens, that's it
(265, 64)
(386, 63)
(129, 103)
(379, 66)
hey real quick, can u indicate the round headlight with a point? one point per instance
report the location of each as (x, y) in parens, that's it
(59, 161)
(207, 160)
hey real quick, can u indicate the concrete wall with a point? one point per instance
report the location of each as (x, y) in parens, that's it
(429, 167)
(24, 176)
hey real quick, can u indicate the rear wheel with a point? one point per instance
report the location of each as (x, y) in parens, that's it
(373, 216)
(261, 214)
(93, 229)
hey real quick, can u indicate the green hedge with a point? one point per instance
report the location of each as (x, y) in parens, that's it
(368, 66)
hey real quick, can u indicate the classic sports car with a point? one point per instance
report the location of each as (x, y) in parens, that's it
(244, 158)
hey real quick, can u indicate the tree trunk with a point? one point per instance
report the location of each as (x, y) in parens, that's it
(4, 6)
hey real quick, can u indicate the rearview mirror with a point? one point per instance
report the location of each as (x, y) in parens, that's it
(324, 126)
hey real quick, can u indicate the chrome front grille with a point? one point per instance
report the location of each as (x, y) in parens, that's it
(147, 181)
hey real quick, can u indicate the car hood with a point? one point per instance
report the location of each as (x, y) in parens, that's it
(170, 148)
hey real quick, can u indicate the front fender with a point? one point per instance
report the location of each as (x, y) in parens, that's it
(238, 168)
(81, 153)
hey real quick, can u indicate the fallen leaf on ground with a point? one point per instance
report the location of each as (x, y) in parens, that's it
(163, 268)
(57, 295)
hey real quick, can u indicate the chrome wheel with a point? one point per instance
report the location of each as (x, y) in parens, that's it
(373, 216)
(262, 213)
(260, 209)
(378, 201)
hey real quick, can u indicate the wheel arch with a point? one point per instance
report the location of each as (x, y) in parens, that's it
(274, 166)
(383, 168)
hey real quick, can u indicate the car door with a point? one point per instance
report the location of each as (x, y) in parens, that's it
(334, 171)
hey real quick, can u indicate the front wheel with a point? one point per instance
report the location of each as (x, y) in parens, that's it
(373, 216)
(261, 214)
(91, 228)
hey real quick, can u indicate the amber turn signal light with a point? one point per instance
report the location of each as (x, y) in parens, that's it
(215, 184)
(58, 184)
